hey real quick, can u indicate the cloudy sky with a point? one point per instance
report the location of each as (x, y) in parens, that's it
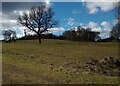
(99, 16)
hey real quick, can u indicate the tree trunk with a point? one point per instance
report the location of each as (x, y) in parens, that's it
(39, 38)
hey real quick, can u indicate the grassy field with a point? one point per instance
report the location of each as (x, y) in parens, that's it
(53, 62)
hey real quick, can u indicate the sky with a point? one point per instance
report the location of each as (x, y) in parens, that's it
(99, 16)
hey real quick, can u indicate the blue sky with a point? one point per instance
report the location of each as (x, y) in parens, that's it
(99, 16)
(80, 15)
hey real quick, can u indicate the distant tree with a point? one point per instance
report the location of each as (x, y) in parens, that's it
(70, 35)
(39, 19)
(115, 32)
(9, 35)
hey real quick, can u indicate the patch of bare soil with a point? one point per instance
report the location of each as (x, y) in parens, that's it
(107, 66)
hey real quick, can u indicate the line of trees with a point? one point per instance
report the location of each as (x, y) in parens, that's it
(81, 34)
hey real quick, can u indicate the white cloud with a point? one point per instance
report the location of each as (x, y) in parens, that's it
(104, 28)
(81, 24)
(56, 29)
(107, 6)
(6, 23)
(71, 21)
(97, 29)
(20, 12)
(105, 24)
(91, 7)
(19, 30)
(94, 7)
(47, 2)
(92, 24)
(76, 11)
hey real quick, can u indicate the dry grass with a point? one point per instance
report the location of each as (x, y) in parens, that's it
(31, 62)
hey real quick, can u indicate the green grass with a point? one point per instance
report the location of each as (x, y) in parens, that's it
(31, 62)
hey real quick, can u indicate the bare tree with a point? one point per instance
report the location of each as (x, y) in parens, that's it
(39, 19)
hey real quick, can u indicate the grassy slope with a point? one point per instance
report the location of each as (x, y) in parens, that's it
(30, 62)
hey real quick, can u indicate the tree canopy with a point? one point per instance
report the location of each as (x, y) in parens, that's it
(39, 19)
(9, 35)
(81, 34)
(115, 32)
